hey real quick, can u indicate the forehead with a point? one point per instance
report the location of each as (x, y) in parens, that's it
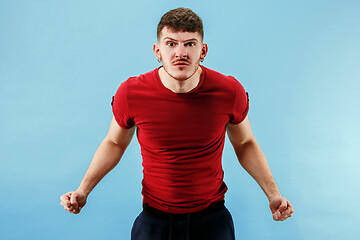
(179, 35)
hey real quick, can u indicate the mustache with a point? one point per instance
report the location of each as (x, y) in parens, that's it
(183, 60)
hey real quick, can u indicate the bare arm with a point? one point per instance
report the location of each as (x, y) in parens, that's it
(107, 155)
(105, 159)
(253, 160)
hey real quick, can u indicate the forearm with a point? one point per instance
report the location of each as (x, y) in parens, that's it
(253, 160)
(106, 157)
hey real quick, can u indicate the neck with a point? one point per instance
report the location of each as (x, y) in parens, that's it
(180, 86)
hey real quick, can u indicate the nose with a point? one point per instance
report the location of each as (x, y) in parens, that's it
(181, 52)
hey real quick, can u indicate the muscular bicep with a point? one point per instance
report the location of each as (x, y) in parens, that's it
(118, 135)
(241, 133)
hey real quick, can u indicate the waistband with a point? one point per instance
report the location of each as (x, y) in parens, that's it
(153, 212)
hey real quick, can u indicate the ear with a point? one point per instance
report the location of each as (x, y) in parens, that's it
(204, 51)
(156, 51)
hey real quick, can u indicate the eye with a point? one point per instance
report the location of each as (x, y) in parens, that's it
(190, 44)
(171, 44)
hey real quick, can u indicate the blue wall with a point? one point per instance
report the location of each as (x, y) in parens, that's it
(61, 61)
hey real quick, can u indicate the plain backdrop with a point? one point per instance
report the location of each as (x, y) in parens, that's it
(62, 61)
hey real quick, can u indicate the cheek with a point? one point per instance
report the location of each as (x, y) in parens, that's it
(166, 55)
(197, 53)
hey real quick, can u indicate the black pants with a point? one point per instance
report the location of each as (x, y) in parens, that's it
(213, 223)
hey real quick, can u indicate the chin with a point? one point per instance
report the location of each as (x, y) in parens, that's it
(180, 77)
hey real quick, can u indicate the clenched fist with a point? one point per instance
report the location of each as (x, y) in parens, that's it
(281, 208)
(73, 202)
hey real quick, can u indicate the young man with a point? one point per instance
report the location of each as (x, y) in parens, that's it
(181, 111)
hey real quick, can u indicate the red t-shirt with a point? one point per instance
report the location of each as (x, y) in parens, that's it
(181, 136)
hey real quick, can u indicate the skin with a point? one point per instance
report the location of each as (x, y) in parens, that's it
(180, 53)
(253, 160)
(106, 157)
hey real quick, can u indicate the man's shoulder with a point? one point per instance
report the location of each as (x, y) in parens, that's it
(137, 86)
(142, 76)
(136, 81)
(220, 78)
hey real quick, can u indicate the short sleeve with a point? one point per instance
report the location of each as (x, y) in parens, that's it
(241, 104)
(120, 107)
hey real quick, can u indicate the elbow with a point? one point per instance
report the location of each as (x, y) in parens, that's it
(115, 144)
(245, 143)
(244, 150)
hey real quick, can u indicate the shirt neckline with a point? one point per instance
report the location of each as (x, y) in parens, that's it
(192, 91)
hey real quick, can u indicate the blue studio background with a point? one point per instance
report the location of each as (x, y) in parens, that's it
(61, 62)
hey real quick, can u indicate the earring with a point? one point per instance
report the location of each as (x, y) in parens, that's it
(201, 60)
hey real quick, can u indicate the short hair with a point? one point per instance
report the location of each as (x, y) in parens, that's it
(181, 20)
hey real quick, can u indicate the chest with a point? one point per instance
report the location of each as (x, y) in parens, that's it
(181, 121)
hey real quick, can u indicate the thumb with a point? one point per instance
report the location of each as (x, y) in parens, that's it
(73, 200)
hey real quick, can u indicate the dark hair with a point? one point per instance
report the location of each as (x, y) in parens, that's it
(181, 20)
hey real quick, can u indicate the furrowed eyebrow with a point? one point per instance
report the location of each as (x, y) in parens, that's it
(174, 40)
(191, 40)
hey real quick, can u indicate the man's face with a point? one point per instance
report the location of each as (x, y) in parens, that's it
(180, 52)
